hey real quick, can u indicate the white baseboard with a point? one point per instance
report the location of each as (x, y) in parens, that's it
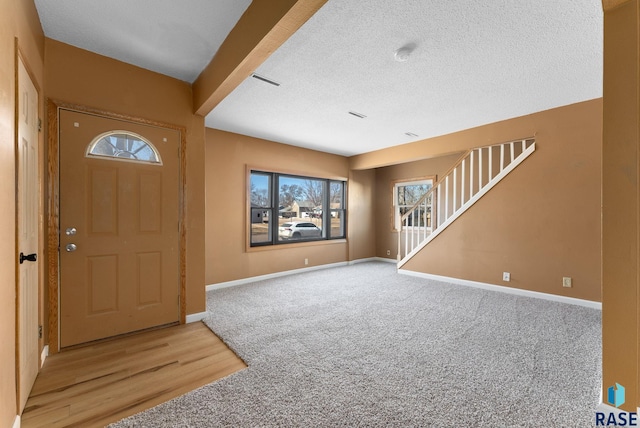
(44, 354)
(196, 317)
(271, 276)
(16, 422)
(373, 259)
(605, 408)
(503, 289)
(294, 271)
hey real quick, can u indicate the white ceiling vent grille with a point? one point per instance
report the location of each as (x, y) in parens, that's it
(264, 79)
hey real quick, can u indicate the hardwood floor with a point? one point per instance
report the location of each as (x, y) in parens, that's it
(103, 383)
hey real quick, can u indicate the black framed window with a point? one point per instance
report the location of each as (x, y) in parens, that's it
(288, 208)
(262, 212)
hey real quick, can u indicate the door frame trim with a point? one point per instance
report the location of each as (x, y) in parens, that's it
(53, 204)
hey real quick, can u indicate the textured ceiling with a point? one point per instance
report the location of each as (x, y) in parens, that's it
(175, 38)
(475, 62)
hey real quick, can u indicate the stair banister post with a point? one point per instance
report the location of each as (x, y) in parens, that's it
(446, 197)
(406, 238)
(436, 207)
(479, 168)
(491, 163)
(464, 163)
(413, 229)
(455, 187)
(423, 220)
(471, 176)
(399, 256)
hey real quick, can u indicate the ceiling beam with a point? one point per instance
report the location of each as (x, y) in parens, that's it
(263, 28)
(612, 4)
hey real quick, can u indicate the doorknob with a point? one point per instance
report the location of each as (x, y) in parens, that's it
(29, 258)
(71, 247)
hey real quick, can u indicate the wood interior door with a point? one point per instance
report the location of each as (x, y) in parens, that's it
(28, 200)
(119, 228)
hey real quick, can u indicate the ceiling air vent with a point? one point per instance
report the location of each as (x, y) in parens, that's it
(410, 134)
(264, 79)
(360, 115)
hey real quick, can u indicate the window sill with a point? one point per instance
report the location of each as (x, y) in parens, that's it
(296, 245)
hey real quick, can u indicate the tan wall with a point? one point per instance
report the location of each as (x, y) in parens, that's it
(386, 237)
(17, 19)
(361, 217)
(543, 221)
(80, 77)
(227, 158)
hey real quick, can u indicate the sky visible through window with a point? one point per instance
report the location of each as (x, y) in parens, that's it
(261, 182)
(290, 188)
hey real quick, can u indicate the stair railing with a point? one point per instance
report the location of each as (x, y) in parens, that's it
(470, 178)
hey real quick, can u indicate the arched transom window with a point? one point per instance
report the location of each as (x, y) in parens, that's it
(124, 145)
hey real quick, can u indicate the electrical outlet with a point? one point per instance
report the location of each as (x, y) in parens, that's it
(506, 276)
(566, 281)
(306, 262)
(388, 252)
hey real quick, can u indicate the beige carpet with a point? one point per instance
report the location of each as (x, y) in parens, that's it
(363, 346)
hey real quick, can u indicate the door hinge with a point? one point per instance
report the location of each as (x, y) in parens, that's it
(39, 125)
(39, 332)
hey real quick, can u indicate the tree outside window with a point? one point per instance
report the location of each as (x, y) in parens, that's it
(405, 195)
